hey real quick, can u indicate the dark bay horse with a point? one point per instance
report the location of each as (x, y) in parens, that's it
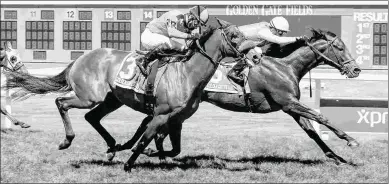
(178, 93)
(274, 84)
(10, 60)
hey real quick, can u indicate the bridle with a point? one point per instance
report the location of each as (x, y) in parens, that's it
(15, 67)
(338, 64)
(227, 41)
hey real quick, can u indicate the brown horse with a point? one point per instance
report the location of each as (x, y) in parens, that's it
(178, 93)
(274, 84)
(10, 60)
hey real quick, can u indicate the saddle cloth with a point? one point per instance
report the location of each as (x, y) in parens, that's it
(130, 77)
(221, 83)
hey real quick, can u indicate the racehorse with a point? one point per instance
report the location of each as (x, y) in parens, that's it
(10, 60)
(274, 84)
(178, 93)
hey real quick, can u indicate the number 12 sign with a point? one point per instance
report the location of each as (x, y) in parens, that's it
(148, 15)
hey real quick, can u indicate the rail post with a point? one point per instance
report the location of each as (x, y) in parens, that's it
(315, 124)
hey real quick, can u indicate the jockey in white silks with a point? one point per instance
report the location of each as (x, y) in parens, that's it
(261, 34)
(173, 24)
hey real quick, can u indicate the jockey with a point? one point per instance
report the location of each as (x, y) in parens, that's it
(261, 34)
(173, 24)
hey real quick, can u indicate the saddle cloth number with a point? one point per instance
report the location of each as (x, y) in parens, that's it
(128, 70)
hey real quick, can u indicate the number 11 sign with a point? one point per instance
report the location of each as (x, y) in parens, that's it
(148, 15)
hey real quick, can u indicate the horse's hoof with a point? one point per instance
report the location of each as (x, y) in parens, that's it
(339, 163)
(162, 159)
(24, 125)
(353, 144)
(148, 151)
(64, 145)
(127, 167)
(110, 156)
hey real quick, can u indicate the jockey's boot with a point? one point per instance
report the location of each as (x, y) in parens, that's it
(153, 54)
(143, 62)
(187, 54)
(235, 73)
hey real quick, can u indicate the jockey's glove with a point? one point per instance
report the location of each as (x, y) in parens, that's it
(302, 38)
(193, 36)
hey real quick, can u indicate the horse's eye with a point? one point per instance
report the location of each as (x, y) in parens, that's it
(339, 48)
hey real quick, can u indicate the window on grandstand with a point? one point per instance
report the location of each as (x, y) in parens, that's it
(77, 35)
(10, 14)
(40, 35)
(159, 13)
(8, 32)
(142, 28)
(116, 35)
(380, 44)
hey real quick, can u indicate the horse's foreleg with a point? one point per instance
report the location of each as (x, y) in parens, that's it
(175, 139)
(151, 131)
(139, 132)
(110, 104)
(297, 107)
(14, 120)
(308, 128)
(63, 105)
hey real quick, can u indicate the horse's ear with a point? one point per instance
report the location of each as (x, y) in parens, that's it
(223, 23)
(316, 34)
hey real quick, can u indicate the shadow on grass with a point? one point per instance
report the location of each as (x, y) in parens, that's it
(77, 164)
(6, 131)
(254, 160)
(204, 162)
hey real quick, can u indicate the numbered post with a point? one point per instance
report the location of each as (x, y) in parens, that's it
(34, 14)
(148, 15)
(109, 14)
(70, 14)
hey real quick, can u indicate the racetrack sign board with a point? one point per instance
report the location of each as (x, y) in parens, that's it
(148, 15)
(356, 115)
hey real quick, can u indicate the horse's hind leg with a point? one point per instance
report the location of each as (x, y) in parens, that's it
(308, 128)
(110, 104)
(14, 120)
(297, 107)
(63, 105)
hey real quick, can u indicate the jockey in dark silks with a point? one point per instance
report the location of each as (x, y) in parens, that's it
(261, 34)
(173, 24)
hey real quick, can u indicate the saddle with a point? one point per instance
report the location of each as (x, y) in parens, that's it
(149, 64)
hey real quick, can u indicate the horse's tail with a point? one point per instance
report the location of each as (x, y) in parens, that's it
(31, 85)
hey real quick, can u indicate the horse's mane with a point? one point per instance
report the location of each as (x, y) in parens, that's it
(209, 30)
(275, 50)
(205, 35)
